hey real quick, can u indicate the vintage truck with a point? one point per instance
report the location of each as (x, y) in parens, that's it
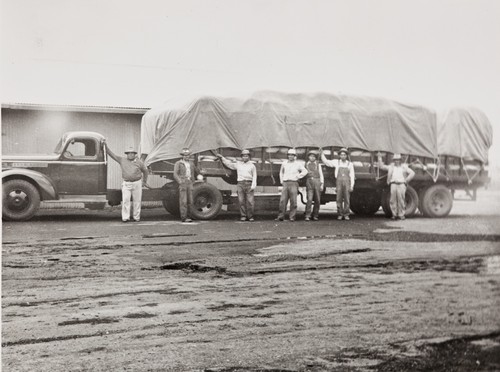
(76, 172)
(447, 154)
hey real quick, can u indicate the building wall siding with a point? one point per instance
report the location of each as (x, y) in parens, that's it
(26, 131)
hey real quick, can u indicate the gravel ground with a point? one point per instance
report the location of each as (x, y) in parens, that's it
(84, 292)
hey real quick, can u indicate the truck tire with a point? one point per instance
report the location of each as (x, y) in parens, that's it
(421, 207)
(365, 202)
(171, 203)
(20, 200)
(411, 201)
(207, 201)
(437, 201)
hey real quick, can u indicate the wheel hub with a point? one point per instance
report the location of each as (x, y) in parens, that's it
(17, 200)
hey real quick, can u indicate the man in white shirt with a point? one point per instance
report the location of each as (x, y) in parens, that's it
(314, 186)
(290, 173)
(344, 175)
(247, 182)
(398, 176)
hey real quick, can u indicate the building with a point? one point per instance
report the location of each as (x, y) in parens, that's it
(36, 129)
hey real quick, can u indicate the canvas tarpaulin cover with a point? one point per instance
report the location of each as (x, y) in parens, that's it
(270, 119)
(465, 133)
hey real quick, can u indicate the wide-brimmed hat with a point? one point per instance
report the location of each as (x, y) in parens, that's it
(315, 153)
(130, 150)
(343, 150)
(396, 157)
(185, 152)
(292, 152)
(245, 152)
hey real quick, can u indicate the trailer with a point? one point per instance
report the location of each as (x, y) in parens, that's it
(447, 153)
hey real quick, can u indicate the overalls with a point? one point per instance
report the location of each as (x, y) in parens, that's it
(313, 187)
(343, 186)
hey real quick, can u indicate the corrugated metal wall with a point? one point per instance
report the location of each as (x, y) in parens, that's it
(26, 131)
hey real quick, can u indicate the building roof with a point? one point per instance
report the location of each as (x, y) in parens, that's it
(75, 108)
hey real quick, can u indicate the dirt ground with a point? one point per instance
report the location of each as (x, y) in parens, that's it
(82, 291)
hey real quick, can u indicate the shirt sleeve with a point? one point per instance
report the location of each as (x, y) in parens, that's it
(303, 172)
(321, 178)
(229, 164)
(351, 174)
(328, 163)
(282, 172)
(410, 173)
(254, 177)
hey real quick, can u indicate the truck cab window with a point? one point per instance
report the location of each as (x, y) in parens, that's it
(81, 149)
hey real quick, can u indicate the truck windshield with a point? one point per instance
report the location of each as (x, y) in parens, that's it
(59, 146)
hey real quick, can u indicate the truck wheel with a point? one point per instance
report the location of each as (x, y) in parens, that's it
(20, 199)
(365, 202)
(171, 203)
(421, 206)
(437, 201)
(207, 201)
(411, 201)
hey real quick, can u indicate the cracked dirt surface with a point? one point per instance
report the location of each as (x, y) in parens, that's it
(92, 294)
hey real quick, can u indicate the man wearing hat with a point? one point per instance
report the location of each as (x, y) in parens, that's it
(185, 173)
(344, 174)
(314, 186)
(398, 176)
(135, 176)
(290, 173)
(247, 182)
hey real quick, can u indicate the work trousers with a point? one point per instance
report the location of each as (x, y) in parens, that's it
(343, 196)
(185, 198)
(289, 192)
(246, 199)
(397, 200)
(134, 190)
(313, 186)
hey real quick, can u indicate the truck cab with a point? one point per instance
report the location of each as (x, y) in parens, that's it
(75, 172)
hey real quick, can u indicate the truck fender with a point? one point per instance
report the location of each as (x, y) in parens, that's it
(43, 183)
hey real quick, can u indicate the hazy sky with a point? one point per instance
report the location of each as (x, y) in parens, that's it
(438, 53)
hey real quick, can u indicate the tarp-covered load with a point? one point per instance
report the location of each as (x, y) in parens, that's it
(270, 119)
(465, 133)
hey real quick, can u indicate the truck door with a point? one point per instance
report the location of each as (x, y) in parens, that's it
(82, 168)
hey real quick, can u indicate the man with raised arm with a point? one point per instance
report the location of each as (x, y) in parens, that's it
(247, 182)
(135, 177)
(344, 175)
(398, 176)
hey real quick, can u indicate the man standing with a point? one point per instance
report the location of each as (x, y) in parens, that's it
(185, 173)
(344, 174)
(398, 176)
(247, 182)
(135, 176)
(290, 173)
(314, 186)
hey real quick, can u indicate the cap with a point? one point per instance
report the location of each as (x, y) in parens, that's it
(245, 152)
(185, 152)
(292, 152)
(130, 149)
(343, 150)
(396, 157)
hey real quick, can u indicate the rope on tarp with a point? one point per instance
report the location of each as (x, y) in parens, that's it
(435, 173)
(271, 165)
(469, 178)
